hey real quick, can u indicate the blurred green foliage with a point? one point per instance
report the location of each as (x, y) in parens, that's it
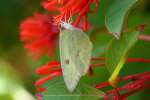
(12, 12)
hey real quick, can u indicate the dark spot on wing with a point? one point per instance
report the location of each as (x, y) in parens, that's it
(77, 55)
(67, 61)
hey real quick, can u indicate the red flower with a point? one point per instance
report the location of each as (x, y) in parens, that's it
(69, 8)
(52, 69)
(39, 34)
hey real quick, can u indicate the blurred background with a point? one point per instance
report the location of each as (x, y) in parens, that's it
(17, 68)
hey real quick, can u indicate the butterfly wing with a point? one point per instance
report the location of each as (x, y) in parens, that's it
(75, 55)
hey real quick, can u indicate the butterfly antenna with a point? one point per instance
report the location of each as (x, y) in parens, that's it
(70, 18)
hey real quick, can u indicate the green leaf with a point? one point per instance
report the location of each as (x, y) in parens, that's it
(100, 40)
(117, 52)
(116, 14)
(58, 91)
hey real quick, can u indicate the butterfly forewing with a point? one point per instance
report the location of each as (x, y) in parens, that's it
(75, 55)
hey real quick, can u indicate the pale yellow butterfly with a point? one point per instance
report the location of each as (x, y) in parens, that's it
(75, 54)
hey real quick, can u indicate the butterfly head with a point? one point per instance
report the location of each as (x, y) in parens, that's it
(65, 25)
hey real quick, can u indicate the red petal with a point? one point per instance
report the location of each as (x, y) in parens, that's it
(51, 76)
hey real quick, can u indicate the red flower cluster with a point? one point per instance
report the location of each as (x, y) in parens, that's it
(69, 8)
(39, 33)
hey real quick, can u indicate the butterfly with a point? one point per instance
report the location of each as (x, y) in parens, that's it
(75, 54)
